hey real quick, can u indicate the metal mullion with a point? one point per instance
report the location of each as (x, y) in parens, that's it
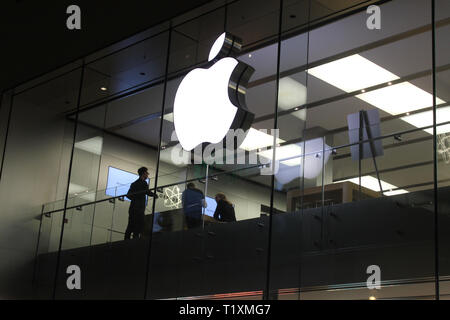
(158, 160)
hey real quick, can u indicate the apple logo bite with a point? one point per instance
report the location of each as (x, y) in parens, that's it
(209, 101)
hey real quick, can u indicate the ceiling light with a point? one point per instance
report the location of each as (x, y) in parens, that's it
(352, 73)
(291, 152)
(425, 119)
(249, 55)
(257, 139)
(355, 72)
(92, 145)
(400, 98)
(169, 117)
(371, 183)
(292, 94)
(103, 88)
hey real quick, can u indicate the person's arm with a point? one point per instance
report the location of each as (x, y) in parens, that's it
(130, 194)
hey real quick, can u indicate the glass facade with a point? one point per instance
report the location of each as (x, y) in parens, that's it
(339, 187)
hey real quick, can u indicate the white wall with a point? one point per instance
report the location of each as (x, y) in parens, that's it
(34, 172)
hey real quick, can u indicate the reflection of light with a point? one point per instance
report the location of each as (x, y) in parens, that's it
(292, 94)
(92, 145)
(352, 73)
(169, 117)
(356, 72)
(423, 119)
(313, 162)
(257, 139)
(372, 298)
(371, 183)
(399, 98)
(285, 152)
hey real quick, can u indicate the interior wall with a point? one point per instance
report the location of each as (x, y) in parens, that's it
(34, 172)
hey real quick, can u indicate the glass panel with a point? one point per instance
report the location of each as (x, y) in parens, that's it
(349, 229)
(442, 29)
(34, 172)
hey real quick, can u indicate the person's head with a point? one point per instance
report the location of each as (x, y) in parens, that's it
(143, 173)
(221, 196)
(191, 185)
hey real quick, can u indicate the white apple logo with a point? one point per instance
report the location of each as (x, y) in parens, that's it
(210, 101)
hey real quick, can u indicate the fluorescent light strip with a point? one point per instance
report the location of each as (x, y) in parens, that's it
(425, 119)
(355, 73)
(257, 139)
(352, 73)
(285, 152)
(371, 183)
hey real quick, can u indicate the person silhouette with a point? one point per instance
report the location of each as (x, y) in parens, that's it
(224, 210)
(137, 193)
(193, 201)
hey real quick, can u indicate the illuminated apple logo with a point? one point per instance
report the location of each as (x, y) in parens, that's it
(210, 101)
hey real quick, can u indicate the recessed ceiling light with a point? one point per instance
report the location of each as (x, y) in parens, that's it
(355, 72)
(363, 90)
(292, 94)
(291, 152)
(256, 139)
(390, 83)
(93, 145)
(103, 88)
(249, 55)
(352, 73)
(425, 119)
(371, 183)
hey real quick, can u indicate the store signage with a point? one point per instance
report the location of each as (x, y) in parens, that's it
(209, 101)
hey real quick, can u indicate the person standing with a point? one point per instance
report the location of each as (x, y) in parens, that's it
(136, 213)
(224, 210)
(193, 202)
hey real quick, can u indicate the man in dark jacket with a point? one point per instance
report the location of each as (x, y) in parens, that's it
(193, 203)
(138, 195)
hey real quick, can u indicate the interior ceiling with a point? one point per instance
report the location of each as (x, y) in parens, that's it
(35, 38)
(134, 116)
